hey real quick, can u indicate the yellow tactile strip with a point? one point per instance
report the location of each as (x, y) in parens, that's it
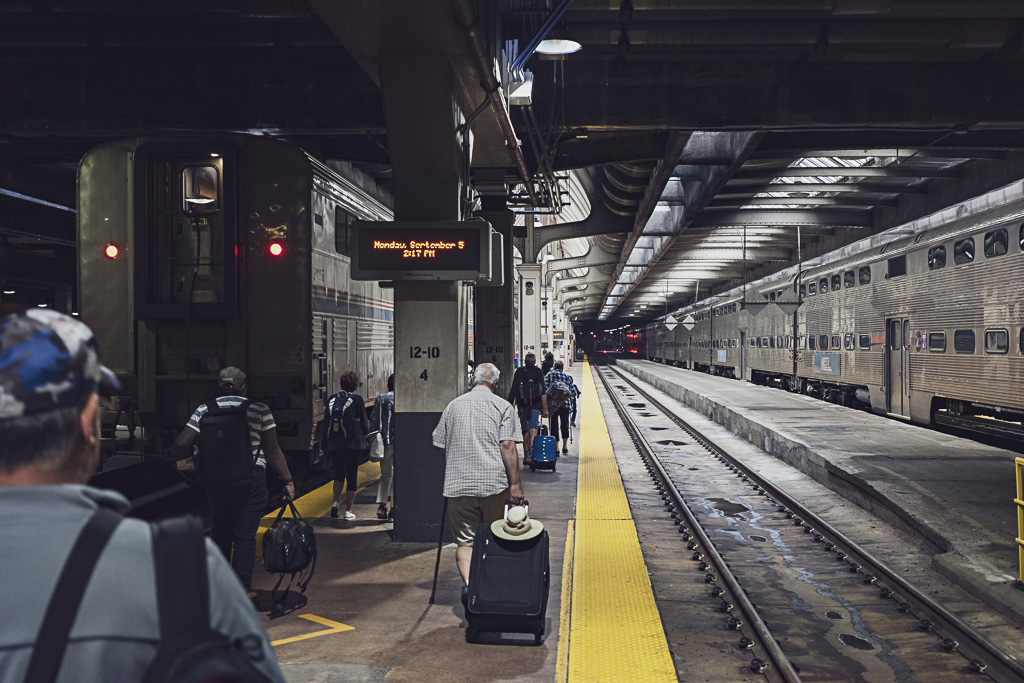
(615, 631)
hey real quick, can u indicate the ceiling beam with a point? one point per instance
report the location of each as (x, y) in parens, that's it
(840, 218)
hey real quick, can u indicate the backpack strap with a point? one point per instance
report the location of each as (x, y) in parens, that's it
(67, 596)
(182, 589)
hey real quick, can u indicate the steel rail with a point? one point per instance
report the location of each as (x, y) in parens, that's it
(983, 656)
(780, 664)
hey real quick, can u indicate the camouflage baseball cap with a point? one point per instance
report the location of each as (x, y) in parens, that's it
(48, 360)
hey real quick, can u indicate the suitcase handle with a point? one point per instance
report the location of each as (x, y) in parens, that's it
(526, 504)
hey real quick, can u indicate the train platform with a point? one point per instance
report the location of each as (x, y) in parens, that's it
(366, 617)
(955, 493)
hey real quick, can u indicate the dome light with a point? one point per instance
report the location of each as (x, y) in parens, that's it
(111, 251)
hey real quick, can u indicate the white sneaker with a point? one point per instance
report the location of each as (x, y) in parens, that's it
(349, 515)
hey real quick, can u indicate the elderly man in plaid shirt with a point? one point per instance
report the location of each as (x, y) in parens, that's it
(478, 432)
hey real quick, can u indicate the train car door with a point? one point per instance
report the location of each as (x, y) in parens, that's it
(743, 357)
(897, 349)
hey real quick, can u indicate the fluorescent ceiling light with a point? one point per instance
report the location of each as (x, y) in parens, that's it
(558, 46)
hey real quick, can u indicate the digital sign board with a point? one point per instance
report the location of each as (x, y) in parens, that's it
(427, 250)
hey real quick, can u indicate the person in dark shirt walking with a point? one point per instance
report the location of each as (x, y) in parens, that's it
(345, 429)
(527, 394)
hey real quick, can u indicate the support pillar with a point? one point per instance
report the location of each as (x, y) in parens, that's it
(431, 325)
(494, 306)
(530, 288)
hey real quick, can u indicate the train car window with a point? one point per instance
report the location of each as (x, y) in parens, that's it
(865, 342)
(895, 335)
(823, 342)
(849, 278)
(812, 289)
(803, 291)
(811, 341)
(780, 342)
(963, 251)
(342, 223)
(1021, 344)
(898, 266)
(199, 188)
(771, 342)
(906, 334)
(937, 257)
(1021, 238)
(801, 342)
(996, 243)
(937, 342)
(836, 281)
(836, 341)
(764, 342)
(997, 341)
(771, 296)
(963, 341)
(753, 343)
(848, 342)
(823, 285)
(864, 275)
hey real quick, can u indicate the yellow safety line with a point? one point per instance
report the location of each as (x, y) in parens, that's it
(332, 627)
(615, 629)
(317, 503)
(565, 616)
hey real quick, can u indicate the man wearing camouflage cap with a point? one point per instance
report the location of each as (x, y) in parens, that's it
(50, 381)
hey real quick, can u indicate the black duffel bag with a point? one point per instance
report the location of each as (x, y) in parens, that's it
(289, 547)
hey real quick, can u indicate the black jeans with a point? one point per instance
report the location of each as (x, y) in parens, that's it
(236, 518)
(562, 414)
(346, 466)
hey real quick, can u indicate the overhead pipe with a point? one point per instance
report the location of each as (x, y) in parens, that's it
(467, 21)
(556, 15)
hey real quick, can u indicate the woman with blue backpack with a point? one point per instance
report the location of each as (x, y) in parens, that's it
(346, 427)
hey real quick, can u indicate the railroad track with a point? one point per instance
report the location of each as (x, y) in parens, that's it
(781, 577)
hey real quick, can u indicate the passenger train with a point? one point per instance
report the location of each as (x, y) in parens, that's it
(927, 328)
(197, 253)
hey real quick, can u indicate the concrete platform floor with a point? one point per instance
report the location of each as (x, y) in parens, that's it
(956, 493)
(369, 599)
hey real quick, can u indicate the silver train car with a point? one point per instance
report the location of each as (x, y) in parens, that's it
(205, 252)
(927, 328)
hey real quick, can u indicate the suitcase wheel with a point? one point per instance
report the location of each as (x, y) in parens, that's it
(472, 634)
(537, 637)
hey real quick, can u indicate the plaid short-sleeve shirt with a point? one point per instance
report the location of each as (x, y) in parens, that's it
(471, 430)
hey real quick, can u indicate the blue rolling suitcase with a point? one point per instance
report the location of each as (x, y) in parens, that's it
(545, 451)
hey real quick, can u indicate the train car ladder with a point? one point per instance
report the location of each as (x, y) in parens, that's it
(1019, 500)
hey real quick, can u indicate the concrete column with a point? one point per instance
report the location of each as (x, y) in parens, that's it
(430, 317)
(530, 287)
(494, 314)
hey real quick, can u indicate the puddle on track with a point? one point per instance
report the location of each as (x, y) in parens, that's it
(728, 508)
(856, 642)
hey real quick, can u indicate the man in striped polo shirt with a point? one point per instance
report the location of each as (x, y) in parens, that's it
(237, 512)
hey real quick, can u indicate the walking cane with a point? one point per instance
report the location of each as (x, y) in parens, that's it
(440, 541)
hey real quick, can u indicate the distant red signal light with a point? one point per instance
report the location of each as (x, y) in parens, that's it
(276, 249)
(111, 251)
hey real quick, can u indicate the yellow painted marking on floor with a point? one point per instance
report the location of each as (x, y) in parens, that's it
(332, 627)
(565, 616)
(615, 629)
(317, 503)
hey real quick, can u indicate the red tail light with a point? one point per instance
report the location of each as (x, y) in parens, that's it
(276, 249)
(111, 251)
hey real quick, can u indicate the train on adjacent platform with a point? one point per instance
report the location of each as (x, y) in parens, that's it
(927, 328)
(197, 253)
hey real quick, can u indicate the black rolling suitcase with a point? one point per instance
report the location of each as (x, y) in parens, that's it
(508, 585)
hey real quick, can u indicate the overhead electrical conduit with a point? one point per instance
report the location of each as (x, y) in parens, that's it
(467, 21)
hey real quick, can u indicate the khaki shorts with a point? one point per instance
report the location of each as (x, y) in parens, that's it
(466, 513)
